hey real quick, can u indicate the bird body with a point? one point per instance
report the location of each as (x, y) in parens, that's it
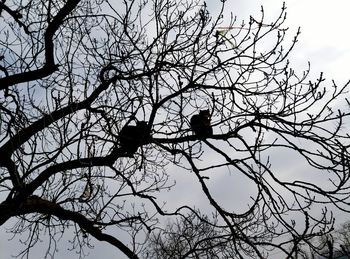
(132, 137)
(200, 124)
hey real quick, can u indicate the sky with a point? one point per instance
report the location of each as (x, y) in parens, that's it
(324, 42)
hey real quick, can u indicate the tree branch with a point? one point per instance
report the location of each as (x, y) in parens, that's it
(35, 204)
(49, 66)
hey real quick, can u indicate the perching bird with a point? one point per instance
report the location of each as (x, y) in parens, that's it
(200, 124)
(132, 137)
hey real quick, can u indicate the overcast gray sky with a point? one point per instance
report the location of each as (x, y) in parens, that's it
(324, 41)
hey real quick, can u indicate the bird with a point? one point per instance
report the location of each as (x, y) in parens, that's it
(200, 124)
(131, 137)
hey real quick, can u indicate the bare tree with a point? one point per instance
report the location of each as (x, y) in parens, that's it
(336, 244)
(194, 236)
(96, 105)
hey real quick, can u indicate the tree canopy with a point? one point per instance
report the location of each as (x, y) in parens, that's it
(102, 106)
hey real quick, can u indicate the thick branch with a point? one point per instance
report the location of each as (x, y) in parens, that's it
(49, 66)
(24, 135)
(69, 165)
(35, 204)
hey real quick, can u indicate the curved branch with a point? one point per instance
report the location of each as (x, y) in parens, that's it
(25, 134)
(69, 165)
(35, 204)
(49, 66)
